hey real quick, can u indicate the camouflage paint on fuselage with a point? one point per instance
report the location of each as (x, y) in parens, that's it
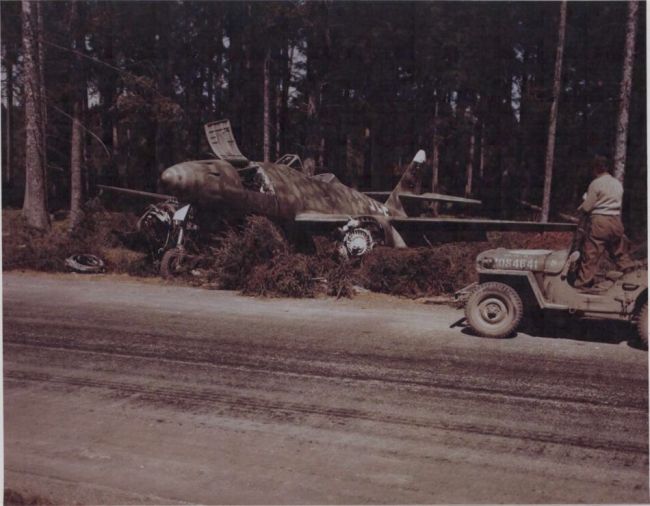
(216, 185)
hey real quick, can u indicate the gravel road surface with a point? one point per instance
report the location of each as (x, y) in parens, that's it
(124, 392)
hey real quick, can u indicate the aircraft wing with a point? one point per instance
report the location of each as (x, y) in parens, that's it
(426, 231)
(316, 218)
(425, 197)
(438, 197)
(135, 193)
(476, 224)
(445, 224)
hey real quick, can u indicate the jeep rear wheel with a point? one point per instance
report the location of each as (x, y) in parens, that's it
(642, 324)
(494, 310)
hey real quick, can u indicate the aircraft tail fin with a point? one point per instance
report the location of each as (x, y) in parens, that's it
(410, 182)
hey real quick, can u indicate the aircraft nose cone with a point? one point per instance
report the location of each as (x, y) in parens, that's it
(171, 178)
(167, 177)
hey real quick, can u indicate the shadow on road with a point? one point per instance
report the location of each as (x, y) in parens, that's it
(565, 327)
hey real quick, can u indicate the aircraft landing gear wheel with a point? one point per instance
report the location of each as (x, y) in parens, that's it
(642, 324)
(356, 242)
(171, 263)
(494, 310)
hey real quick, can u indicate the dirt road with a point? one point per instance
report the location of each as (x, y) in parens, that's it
(122, 393)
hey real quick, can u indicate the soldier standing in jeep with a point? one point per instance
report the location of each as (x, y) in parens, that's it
(602, 203)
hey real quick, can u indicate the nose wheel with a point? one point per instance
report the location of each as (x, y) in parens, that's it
(171, 263)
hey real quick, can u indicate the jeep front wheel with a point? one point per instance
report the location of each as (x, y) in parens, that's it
(494, 310)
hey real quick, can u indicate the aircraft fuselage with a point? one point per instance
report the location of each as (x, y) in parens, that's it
(273, 190)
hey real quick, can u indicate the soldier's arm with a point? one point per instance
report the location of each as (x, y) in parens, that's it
(589, 199)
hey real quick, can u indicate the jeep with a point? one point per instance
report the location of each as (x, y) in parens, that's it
(515, 282)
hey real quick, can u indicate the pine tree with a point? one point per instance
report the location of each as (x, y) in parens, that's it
(35, 202)
(626, 87)
(550, 146)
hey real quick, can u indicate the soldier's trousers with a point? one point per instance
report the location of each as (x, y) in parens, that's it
(604, 233)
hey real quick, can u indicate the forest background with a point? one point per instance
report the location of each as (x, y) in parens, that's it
(355, 88)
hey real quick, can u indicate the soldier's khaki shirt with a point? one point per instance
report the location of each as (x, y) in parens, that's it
(604, 196)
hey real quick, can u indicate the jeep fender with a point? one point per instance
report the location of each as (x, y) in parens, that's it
(524, 282)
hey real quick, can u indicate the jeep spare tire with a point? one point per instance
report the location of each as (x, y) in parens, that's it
(494, 310)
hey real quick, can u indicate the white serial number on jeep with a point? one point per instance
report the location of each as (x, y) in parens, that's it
(521, 263)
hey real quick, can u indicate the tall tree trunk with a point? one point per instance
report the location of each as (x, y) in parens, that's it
(435, 159)
(9, 127)
(76, 161)
(470, 164)
(267, 106)
(41, 86)
(218, 75)
(164, 137)
(626, 87)
(321, 153)
(77, 135)
(115, 142)
(113, 170)
(376, 175)
(481, 159)
(354, 154)
(312, 143)
(209, 79)
(85, 172)
(35, 202)
(278, 122)
(317, 57)
(435, 156)
(550, 146)
(286, 83)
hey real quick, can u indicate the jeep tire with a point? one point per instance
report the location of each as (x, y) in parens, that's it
(494, 310)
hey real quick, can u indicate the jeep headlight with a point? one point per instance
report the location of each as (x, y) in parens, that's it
(487, 262)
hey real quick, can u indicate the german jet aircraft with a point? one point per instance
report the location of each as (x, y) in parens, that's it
(231, 185)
